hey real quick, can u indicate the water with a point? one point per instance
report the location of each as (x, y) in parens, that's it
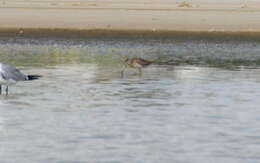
(182, 109)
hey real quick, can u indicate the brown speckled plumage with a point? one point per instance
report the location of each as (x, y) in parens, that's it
(136, 63)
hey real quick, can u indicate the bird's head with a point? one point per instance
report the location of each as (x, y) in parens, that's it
(127, 61)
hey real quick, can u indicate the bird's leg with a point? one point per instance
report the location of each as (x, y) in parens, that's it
(123, 71)
(140, 71)
(6, 90)
(0, 89)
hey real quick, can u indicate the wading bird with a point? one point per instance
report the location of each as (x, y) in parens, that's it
(9, 75)
(138, 63)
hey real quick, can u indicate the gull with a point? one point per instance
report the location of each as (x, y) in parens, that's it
(9, 75)
(138, 63)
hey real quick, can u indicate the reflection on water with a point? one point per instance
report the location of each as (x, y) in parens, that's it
(89, 114)
(82, 110)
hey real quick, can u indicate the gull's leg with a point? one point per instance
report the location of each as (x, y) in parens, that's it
(6, 90)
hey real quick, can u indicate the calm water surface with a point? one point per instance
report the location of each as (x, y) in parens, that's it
(82, 110)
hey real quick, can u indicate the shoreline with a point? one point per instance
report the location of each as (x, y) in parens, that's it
(123, 33)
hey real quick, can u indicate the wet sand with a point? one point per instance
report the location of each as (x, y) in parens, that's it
(165, 15)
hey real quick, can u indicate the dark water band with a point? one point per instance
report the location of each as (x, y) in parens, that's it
(117, 33)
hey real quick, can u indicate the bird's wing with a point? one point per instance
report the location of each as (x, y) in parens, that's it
(144, 62)
(11, 73)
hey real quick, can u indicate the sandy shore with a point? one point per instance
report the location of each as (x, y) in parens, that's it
(170, 15)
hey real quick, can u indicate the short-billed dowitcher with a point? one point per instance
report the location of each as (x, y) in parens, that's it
(138, 63)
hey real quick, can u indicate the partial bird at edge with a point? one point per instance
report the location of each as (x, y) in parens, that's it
(10, 75)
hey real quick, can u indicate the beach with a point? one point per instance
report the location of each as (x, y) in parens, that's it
(198, 102)
(151, 15)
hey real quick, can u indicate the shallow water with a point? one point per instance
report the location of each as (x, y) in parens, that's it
(82, 110)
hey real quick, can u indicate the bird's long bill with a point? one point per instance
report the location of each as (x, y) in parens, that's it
(34, 77)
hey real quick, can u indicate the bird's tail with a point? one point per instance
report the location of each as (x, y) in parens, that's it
(34, 77)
